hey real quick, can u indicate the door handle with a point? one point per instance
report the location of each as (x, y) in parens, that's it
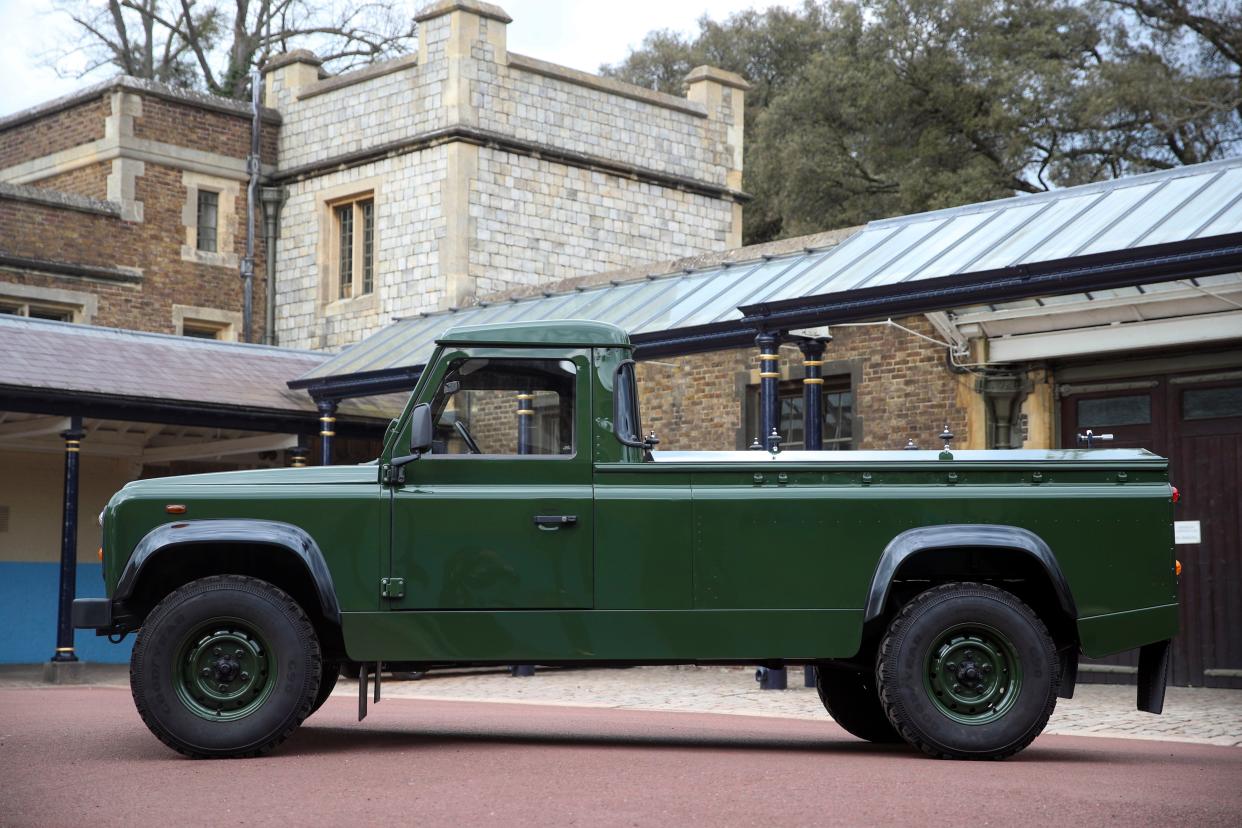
(555, 521)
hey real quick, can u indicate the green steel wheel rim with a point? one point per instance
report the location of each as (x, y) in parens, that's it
(224, 671)
(973, 674)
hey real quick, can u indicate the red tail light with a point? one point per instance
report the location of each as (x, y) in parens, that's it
(1176, 495)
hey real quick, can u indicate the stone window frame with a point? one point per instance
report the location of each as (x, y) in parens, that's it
(225, 323)
(228, 191)
(80, 307)
(327, 201)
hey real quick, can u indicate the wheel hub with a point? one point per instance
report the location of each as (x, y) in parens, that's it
(225, 671)
(973, 673)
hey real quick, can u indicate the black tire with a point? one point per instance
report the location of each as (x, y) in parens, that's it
(327, 681)
(177, 644)
(853, 702)
(968, 671)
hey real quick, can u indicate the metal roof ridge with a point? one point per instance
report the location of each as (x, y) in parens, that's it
(80, 329)
(1066, 192)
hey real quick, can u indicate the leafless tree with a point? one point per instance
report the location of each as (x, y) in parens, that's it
(213, 44)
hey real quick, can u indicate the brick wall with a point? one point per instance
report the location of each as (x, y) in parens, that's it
(153, 246)
(189, 126)
(69, 127)
(90, 181)
(902, 390)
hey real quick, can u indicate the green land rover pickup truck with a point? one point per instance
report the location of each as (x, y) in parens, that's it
(518, 516)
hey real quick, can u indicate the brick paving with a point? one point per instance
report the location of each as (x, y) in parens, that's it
(1191, 714)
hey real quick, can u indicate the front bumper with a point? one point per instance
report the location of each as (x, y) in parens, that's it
(92, 614)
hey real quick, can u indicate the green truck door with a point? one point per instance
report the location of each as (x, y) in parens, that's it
(500, 514)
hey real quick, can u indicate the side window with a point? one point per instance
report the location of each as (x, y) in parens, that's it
(505, 407)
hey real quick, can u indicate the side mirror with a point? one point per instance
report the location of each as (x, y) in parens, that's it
(420, 428)
(420, 441)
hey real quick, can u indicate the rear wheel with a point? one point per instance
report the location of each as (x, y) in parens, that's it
(225, 666)
(968, 671)
(853, 702)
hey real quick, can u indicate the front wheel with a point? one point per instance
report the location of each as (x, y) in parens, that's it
(968, 671)
(225, 666)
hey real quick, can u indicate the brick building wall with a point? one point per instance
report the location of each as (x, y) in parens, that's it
(112, 236)
(902, 389)
(59, 129)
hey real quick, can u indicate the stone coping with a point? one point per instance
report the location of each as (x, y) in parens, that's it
(127, 83)
(375, 70)
(55, 198)
(720, 76)
(443, 7)
(602, 84)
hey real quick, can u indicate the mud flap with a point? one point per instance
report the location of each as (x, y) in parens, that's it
(1069, 673)
(1153, 675)
(363, 672)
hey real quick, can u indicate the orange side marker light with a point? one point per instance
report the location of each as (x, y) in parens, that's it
(175, 508)
(101, 554)
(1177, 568)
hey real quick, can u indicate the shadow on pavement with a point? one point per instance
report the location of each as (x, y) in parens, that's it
(311, 740)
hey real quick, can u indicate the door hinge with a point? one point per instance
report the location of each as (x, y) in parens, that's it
(392, 587)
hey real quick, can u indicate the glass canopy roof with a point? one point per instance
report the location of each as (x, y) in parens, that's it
(1178, 205)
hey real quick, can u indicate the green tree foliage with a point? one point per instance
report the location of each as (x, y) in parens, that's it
(882, 107)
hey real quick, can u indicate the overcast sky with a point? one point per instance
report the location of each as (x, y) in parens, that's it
(577, 33)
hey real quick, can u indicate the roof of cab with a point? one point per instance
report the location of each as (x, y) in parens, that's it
(559, 333)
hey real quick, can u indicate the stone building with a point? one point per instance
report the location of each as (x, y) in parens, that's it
(467, 170)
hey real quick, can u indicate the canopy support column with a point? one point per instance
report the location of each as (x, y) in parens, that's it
(57, 670)
(327, 429)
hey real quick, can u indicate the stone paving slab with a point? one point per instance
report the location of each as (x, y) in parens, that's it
(1191, 714)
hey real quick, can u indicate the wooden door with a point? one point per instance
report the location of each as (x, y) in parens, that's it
(1195, 421)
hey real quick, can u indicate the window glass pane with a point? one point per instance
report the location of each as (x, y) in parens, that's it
(345, 241)
(55, 314)
(838, 417)
(195, 332)
(506, 406)
(838, 420)
(368, 246)
(1209, 403)
(208, 208)
(1115, 411)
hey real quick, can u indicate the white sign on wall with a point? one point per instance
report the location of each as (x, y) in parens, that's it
(1186, 531)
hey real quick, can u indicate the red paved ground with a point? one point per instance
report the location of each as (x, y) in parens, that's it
(82, 758)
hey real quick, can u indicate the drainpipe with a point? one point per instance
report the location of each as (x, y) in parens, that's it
(252, 190)
(273, 199)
